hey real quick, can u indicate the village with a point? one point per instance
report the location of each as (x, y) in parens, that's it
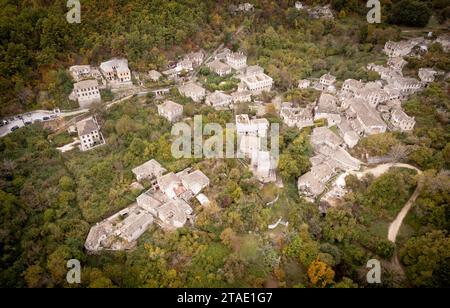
(355, 110)
(339, 119)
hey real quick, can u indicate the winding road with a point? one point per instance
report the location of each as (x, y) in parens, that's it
(394, 228)
(379, 170)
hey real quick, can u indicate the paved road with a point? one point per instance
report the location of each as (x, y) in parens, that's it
(31, 117)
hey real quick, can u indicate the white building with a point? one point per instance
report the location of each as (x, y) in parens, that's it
(196, 58)
(165, 204)
(400, 120)
(249, 144)
(219, 100)
(192, 90)
(89, 134)
(373, 94)
(219, 68)
(116, 71)
(171, 111)
(398, 49)
(364, 118)
(149, 170)
(237, 60)
(444, 40)
(255, 81)
(253, 127)
(264, 166)
(184, 65)
(304, 84)
(313, 183)
(427, 75)
(87, 92)
(406, 85)
(195, 181)
(298, 5)
(397, 63)
(327, 80)
(351, 138)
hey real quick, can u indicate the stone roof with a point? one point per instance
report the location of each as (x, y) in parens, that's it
(195, 181)
(237, 56)
(87, 126)
(218, 98)
(150, 168)
(85, 84)
(328, 77)
(116, 63)
(254, 70)
(323, 135)
(175, 213)
(218, 65)
(191, 87)
(353, 84)
(170, 106)
(367, 115)
(327, 104)
(426, 74)
(402, 116)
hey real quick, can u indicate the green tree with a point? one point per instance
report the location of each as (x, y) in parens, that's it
(423, 255)
(410, 13)
(339, 224)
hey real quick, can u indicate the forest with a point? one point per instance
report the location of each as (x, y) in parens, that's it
(49, 200)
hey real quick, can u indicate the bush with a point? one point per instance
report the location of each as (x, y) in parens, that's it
(410, 13)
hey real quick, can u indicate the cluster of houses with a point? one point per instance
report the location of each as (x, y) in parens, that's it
(252, 139)
(316, 12)
(90, 80)
(357, 109)
(166, 203)
(187, 64)
(330, 159)
(253, 81)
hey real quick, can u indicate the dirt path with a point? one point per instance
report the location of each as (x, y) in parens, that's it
(379, 170)
(394, 228)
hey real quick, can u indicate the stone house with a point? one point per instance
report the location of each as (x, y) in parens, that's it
(327, 109)
(219, 100)
(171, 111)
(116, 70)
(219, 68)
(400, 120)
(254, 127)
(192, 90)
(149, 170)
(427, 75)
(327, 80)
(237, 60)
(89, 134)
(86, 92)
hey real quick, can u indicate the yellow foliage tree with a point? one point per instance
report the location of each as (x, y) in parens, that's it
(320, 274)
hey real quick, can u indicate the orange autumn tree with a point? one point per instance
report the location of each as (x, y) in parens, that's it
(320, 274)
